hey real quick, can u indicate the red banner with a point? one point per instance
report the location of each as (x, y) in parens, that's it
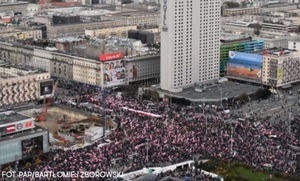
(10, 129)
(28, 124)
(111, 56)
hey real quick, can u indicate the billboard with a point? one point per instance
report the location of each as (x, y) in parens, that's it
(114, 73)
(134, 71)
(46, 88)
(111, 56)
(244, 65)
(10, 129)
(32, 147)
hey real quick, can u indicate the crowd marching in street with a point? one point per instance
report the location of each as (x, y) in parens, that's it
(177, 134)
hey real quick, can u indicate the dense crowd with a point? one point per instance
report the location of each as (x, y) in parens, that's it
(188, 175)
(177, 135)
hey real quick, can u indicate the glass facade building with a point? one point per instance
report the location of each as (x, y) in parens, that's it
(11, 147)
(247, 47)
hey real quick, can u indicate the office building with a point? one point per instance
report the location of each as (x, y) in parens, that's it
(294, 44)
(240, 11)
(65, 19)
(284, 27)
(277, 41)
(21, 84)
(20, 138)
(143, 69)
(84, 61)
(146, 37)
(106, 32)
(190, 43)
(281, 68)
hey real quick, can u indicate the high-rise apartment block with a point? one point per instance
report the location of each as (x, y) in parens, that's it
(190, 42)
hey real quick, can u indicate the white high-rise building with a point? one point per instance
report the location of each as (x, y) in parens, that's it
(190, 42)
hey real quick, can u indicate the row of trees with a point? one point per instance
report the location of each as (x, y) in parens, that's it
(233, 4)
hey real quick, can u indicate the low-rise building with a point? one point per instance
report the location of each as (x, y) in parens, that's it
(279, 7)
(20, 84)
(20, 34)
(239, 11)
(143, 69)
(276, 41)
(15, 53)
(106, 32)
(41, 59)
(281, 68)
(75, 29)
(294, 44)
(87, 71)
(16, 7)
(283, 27)
(91, 64)
(237, 43)
(16, 132)
(238, 29)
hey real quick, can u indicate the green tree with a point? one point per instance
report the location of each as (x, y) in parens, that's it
(244, 4)
(294, 15)
(243, 97)
(231, 4)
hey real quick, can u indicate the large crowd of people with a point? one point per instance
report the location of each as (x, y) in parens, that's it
(178, 134)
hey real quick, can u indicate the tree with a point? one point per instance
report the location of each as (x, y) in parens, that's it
(243, 97)
(262, 93)
(257, 27)
(294, 15)
(231, 4)
(244, 4)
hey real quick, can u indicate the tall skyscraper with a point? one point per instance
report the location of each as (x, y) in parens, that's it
(190, 42)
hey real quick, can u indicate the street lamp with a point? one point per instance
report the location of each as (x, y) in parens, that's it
(104, 111)
(221, 92)
(290, 119)
(147, 149)
(231, 140)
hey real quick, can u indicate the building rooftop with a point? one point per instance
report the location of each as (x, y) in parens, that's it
(82, 22)
(69, 39)
(11, 117)
(14, 3)
(35, 130)
(79, 11)
(281, 52)
(234, 37)
(212, 92)
(11, 71)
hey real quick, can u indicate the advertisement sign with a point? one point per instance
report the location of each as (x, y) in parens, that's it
(165, 8)
(164, 16)
(29, 124)
(244, 65)
(32, 147)
(10, 129)
(24, 126)
(279, 73)
(111, 56)
(46, 88)
(134, 71)
(114, 73)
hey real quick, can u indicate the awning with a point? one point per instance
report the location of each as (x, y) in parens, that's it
(287, 86)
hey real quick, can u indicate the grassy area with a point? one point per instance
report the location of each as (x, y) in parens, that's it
(253, 176)
(241, 172)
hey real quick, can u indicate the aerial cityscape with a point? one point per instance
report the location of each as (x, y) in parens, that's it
(150, 90)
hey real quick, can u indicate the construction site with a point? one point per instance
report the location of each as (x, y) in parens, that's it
(68, 125)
